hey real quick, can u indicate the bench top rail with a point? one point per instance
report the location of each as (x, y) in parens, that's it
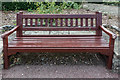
(64, 16)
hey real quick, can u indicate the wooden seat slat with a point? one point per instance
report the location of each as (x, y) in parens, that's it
(60, 45)
(59, 40)
(90, 37)
(57, 35)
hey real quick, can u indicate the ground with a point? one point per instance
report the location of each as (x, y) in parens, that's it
(58, 71)
(47, 65)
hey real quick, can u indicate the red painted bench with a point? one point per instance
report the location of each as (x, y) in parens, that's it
(59, 43)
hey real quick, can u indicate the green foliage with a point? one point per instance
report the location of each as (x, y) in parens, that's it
(2, 30)
(42, 7)
(56, 7)
(109, 17)
(30, 10)
(48, 7)
(16, 11)
(18, 6)
(76, 6)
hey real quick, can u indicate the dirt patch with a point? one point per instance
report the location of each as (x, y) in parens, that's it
(57, 59)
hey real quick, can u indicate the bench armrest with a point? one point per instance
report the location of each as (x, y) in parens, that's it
(6, 34)
(112, 37)
(111, 34)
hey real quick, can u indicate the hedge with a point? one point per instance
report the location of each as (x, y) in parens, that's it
(18, 6)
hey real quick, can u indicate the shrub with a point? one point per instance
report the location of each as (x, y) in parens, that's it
(47, 6)
(56, 7)
(18, 6)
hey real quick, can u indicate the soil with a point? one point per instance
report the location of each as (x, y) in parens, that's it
(57, 59)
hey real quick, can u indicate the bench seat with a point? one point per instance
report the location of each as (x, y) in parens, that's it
(59, 42)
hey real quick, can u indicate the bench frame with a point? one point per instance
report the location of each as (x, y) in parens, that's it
(19, 28)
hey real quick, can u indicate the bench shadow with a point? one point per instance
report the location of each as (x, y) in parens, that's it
(57, 59)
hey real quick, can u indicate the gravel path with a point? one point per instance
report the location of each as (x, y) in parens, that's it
(61, 71)
(112, 10)
(110, 13)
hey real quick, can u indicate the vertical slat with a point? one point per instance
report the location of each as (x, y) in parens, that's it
(26, 22)
(51, 22)
(31, 22)
(91, 21)
(61, 22)
(76, 22)
(41, 22)
(66, 22)
(71, 22)
(46, 22)
(36, 22)
(81, 23)
(56, 22)
(86, 22)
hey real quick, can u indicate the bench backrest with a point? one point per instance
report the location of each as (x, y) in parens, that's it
(59, 22)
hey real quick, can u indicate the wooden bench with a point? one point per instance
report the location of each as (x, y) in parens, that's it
(59, 43)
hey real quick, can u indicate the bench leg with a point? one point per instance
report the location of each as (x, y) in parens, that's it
(6, 61)
(109, 61)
